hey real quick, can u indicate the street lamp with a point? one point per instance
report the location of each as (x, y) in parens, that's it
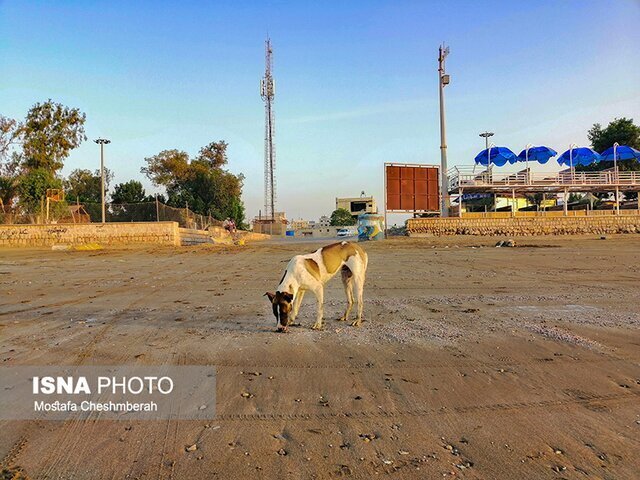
(102, 142)
(486, 136)
(444, 79)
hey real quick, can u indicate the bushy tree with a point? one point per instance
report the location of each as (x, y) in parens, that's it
(85, 187)
(214, 154)
(8, 192)
(535, 198)
(49, 133)
(9, 161)
(33, 187)
(342, 218)
(202, 184)
(9, 135)
(620, 130)
(130, 192)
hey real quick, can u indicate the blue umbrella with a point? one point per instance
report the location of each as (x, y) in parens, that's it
(578, 156)
(619, 152)
(539, 154)
(495, 156)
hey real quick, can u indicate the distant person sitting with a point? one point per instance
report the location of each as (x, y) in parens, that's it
(229, 225)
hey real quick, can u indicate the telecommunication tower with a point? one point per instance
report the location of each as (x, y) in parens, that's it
(267, 92)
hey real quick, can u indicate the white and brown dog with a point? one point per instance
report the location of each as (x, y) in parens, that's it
(311, 272)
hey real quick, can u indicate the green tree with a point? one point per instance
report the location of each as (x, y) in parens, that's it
(10, 131)
(575, 197)
(8, 192)
(620, 130)
(214, 154)
(49, 133)
(129, 192)
(85, 187)
(168, 168)
(33, 188)
(10, 160)
(535, 198)
(342, 218)
(202, 184)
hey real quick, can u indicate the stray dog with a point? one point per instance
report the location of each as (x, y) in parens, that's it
(311, 272)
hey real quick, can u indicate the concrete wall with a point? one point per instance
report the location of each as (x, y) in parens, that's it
(190, 236)
(219, 234)
(159, 233)
(277, 229)
(524, 226)
(323, 232)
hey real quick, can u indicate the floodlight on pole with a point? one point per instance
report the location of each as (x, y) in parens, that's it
(486, 136)
(102, 142)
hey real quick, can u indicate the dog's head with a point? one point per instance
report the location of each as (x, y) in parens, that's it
(281, 303)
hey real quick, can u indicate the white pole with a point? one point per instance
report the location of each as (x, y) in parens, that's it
(571, 162)
(571, 147)
(526, 156)
(489, 162)
(102, 181)
(444, 184)
(615, 160)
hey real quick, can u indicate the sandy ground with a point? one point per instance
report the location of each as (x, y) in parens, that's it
(474, 362)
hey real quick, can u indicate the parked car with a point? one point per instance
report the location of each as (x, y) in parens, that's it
(344, 232)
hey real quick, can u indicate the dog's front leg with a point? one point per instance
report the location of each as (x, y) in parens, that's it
(320, 297)
(296, 305)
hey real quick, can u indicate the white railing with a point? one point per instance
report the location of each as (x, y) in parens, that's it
(461, 177)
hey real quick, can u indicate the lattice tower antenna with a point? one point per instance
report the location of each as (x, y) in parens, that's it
(267, 92)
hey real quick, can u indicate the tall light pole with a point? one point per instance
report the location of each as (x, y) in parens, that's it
(102, 142)
(443, 79)
(486, 136)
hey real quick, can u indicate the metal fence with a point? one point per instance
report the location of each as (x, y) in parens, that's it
(114, 212)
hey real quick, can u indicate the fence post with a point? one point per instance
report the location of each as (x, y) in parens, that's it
(157, 209)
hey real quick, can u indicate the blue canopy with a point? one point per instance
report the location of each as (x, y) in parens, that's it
(499, 156)
(622, 153)
(578, 156)
(539, 154)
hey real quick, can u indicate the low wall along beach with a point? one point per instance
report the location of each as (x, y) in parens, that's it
(524, 226)
(159, 233)
(115, 234)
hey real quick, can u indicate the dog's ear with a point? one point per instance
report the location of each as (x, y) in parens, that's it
(270, 295)
(287, 296)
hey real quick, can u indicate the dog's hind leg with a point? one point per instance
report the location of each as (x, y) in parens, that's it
(320, 297)
(347, 282)
(358, 284)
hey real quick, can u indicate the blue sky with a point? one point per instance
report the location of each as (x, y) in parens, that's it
(356, 82)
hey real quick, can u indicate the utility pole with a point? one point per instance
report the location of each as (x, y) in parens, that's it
(443, 79)
(486, 136)
(102, 142)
